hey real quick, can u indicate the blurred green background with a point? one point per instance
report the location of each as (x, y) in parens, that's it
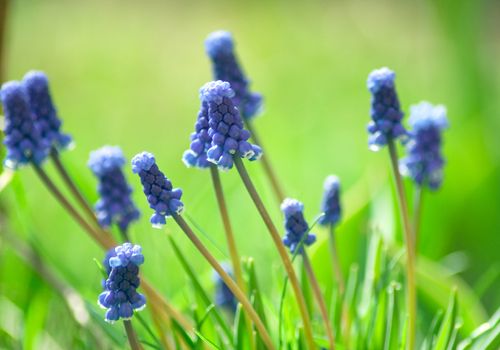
(127, 73)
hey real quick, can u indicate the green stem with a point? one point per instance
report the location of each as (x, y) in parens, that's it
(124, 234)
(319, 298)
(132, 337)
(281, 250)
(335, 261)
(410, 249)
(268, 169)
(417, 212)
(238, 293)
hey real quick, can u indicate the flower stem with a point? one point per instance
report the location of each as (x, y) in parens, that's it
(319, 298)
(417, 213)
(68, 181)
(132, 336)
(410, 249)
(335, 261)
(238, 293)
(281, 250)
(268, 169)
(124, 234)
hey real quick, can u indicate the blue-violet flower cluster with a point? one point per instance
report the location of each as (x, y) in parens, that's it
(22, 136)
(385, 110)
(115, 204)
(424, 161)
(120, 296)
(223, 295)
(196, 155)
(330, 204)
(225, 127)
(219, 46)
(162, 198)
(295, 226)
(46, 118)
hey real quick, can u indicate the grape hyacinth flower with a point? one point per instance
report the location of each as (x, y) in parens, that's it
(196, 155)
(295, 225)
(115, 205)
(22, 137)
(120, 296)
(219, 46)
(385, 110)
(46, 118)
(223, 295)
(330, 204)
(225, 127)
(424, 161)
(162, 198)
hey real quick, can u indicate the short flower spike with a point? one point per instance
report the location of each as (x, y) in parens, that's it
(196, 155)
(219, 46)
(295, 225)
(223, 295)
(424, 161)
(46, 118)
(115, 205)
(22, 137)
(225, 127)
(120, 296)
(330, 205)
(162, 198)
(385, 111)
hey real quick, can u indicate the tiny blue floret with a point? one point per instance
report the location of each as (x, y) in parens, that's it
(330, 204)
(424, 161)
(295, 226)
(162, 198)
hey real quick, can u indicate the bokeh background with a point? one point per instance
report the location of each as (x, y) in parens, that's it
(128, 72)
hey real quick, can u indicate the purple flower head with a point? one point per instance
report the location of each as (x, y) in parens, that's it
(162, 198)
(120, 296)
(295, 226)
(22, 136)
(196, 155)
(219, 46)
(385, 111)
(115, 204)
(46, 118)
(223, 295)
(225, 127)
(330, 205)
(424, 161)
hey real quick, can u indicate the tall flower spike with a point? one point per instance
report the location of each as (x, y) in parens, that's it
(424, 161)
(219, 46)
(223, 295)
(46, 118)
(330, 205)
(385, 111)
(295, 225)
(120, 296)
(22, 137)
(225, 126)
(162, 198)
(196, 155)
(115, 205)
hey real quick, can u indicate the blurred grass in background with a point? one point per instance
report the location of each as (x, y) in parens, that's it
(127, 73)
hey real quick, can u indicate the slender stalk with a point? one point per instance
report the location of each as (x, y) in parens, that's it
(238, 293)
(410, 249)
(268, 169)
(319, 299)
(417, 212)
(68, 181)
(124, 234)
(281, 250)
(132, 337)
(335, 261)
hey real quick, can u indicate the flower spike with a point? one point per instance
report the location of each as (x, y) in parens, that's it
(295, 225)
(219, 46)
(330, 205)
(162, 198)
(115, 204)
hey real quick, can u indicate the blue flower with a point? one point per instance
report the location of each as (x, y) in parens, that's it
(22, 137)
(385, 111)
(330, 205)
(46, 118)
(196, 155)
(223, 295)
(219, 46)
(424, 161)
(162, 198)
(295, 225)
(115, 205)
(225, 127)
(120, 296)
